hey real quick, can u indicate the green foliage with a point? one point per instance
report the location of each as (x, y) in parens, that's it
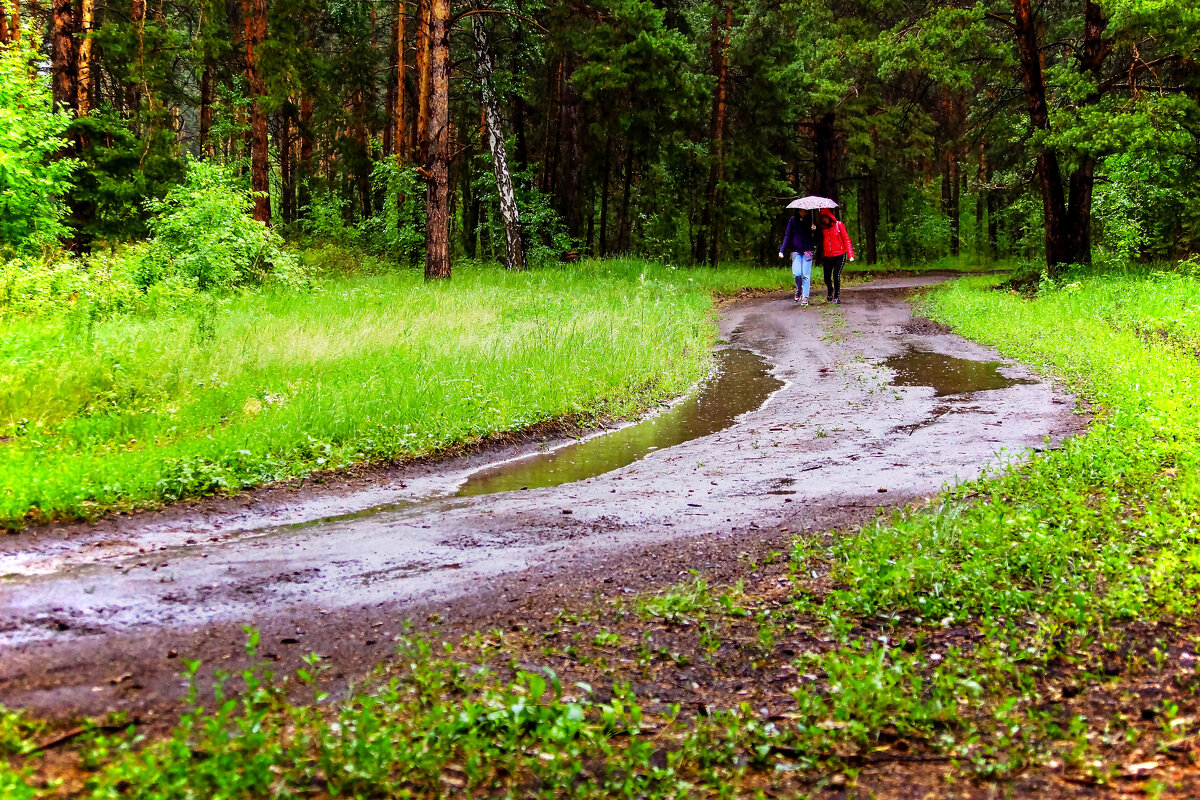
(542, 229)
(397, 230)
(202, 232)
(32, 180)
(120, 170)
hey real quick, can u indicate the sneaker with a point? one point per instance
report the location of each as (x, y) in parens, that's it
(796, 297)
(837, 301)
(804, 301)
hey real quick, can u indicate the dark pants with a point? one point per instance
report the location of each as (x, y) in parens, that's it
(833, 274)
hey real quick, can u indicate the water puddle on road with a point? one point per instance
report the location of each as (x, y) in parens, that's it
(947, 374)
(741, 382)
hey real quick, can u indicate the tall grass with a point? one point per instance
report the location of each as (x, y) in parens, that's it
(236, 392)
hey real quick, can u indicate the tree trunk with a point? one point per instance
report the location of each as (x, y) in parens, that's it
(553, 117)
(10, 26)
(87, 16)
(63, 66)
(307, 167)
(825, 157)
(437, 199)
(254, 31)
(287, 183)
(137, 14)
(509, 213)
(955, 205)
(709, 239)
(390, 128)
(604, 195)
(522, 154)
(1058, 253)
(400, 135)
(623, 232)
(423, 78)
(868, 215)
(206, 108)
(1079, 205)
(568, 151)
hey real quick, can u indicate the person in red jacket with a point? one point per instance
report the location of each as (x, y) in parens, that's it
(835, 249)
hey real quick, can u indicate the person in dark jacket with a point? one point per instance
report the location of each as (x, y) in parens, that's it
(799, 243)
(835, 249)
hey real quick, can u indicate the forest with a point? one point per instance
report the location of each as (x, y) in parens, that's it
(531, 132)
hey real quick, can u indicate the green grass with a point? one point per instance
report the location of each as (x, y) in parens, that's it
(133, 410)
(1039, 623)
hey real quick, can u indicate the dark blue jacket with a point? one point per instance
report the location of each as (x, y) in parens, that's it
(797, 238)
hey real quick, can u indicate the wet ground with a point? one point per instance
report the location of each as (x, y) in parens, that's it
(815, 419)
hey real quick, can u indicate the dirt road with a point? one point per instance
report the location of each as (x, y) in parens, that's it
(873, 409)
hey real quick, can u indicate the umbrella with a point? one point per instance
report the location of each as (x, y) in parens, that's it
(811, 202)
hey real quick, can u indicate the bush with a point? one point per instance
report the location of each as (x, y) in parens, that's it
(32, 181)
(203, 233)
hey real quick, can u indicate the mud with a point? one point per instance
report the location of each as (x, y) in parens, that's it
(741, 382)
(99, 619)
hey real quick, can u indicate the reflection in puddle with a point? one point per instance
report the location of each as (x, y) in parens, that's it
(947, 374)
(742, 382)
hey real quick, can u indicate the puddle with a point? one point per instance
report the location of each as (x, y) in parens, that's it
(947, 374)
(742, 381)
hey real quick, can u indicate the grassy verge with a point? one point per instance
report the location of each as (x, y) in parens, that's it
(138, 409)
(1031, 634)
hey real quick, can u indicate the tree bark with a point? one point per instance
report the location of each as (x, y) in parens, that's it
(423, 77)
(568, 151)
(604, 195)
(206, 108)
(388, 143)
(137, 14)
(1058, 253)
(307, 167)
(868, 215)
(287, 181)
(549, 174)
(623, 231)
(396, 115)
(87, 17)
(10, 24)
(437, 200)
(709, 239)
(1093, 54)
(955, 205)
(64, 66)
(254, 31)
(510, 215)
(825, 157)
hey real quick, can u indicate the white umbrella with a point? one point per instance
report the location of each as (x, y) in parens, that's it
(811, 202)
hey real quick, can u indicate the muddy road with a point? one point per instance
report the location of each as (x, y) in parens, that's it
(817, 418)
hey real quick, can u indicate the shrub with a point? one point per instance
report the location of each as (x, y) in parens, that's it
(32, 181)
(203, 232)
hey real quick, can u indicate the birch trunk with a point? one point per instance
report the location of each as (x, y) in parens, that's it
(509, 213)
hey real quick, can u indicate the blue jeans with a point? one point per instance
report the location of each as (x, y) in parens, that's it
(802, 264)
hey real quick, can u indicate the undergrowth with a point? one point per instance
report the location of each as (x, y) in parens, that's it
(106, 407)
(1034, 627)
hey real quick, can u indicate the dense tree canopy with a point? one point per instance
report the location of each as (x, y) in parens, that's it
(672, 128)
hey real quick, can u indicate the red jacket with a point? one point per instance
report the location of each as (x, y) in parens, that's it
(834, 239)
